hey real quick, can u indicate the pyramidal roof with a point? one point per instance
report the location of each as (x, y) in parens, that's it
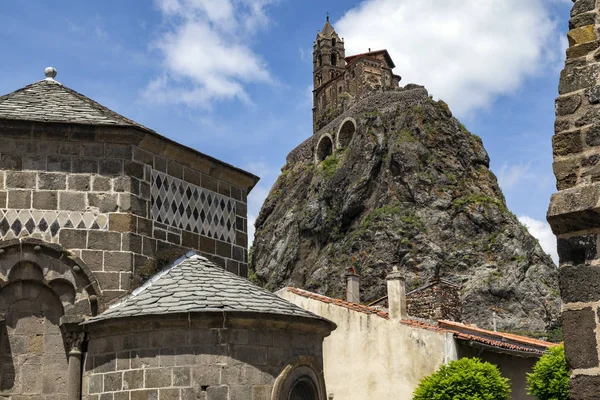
(50, 101)
(194, 284)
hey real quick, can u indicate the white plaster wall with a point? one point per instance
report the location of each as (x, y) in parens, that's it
(368, 357)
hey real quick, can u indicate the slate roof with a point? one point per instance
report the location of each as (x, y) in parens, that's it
(50, 101)
(194, 284)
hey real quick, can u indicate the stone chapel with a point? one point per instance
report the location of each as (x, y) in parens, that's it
(123, 258)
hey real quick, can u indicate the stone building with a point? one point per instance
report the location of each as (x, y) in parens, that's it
(438, 299)
(387, 352)
(92, 207)
(573, 211)
(340, 81)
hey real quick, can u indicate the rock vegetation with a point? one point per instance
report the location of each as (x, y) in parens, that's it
(411, 188)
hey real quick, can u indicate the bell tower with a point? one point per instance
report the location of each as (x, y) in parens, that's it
(328, 55)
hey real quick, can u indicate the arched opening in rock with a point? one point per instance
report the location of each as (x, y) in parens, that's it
(324, 148)
(346, 133)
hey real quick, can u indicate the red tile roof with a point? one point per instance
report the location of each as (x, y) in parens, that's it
(371, 54)
(461, 331)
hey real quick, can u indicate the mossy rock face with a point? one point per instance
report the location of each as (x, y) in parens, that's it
(413, 189)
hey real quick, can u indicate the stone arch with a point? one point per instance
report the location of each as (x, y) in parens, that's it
(303, 370)
(56, 268)
(34, 360)
(346, 132)
(324, 147)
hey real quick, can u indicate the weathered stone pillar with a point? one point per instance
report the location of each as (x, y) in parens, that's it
(574, 212)
(74, 337)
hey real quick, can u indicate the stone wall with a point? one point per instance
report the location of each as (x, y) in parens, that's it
(574, 210)
(196, 358)
(437, 300)
(124, 200)
(369, 357)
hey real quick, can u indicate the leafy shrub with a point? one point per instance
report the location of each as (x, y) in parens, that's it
(550, 377)
(464, 379)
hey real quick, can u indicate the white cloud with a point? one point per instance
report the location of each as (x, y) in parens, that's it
(510, 175)
(466, 52)
(206, 51)
(543, 233)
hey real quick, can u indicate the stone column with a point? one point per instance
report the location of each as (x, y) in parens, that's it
(74, 342)
(574, 212)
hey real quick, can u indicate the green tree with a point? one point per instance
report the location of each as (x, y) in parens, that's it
(550, 377)
(464, 379)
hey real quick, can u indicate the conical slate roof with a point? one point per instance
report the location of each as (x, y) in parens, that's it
(327, 29)
(194, 284)
(50, 101)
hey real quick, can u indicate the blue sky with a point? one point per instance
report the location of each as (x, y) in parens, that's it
(232, 78)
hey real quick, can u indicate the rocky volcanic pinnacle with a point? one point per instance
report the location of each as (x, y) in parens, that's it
(413, 189)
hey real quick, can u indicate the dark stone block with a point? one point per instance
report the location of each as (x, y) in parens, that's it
(189, 239)
(175, 169)
(562, 125)
(85, 165)
(579, 283)
(582, 20)
(71, 201)
(243, 270)
(192, 176)
(573, 79)
(207, 245)
(101, 184)
(577, 249)
(144, 226)
(568, 104)
(92, 150)
(52, 181)
(173, 238)
(101, 240)
(224, 189)
(236, 193)
(11, 162)
(59, 163)
(79, 182)
(73, 238)
(143, 156)
(210, 183)
(21, 180)
(69, 149)
(134, 169)
(111, 167)
(579, 327)
(238, 253)
(35, 162)
(160, 164)
(3, 199)
(223, 249)
(241, 209)
(232, 266)
(149, 247)
(118, 151)
(132, 242)
(19, 199)
(241, 239)
(160, 234)
(106, 203)
(582, 6)
(45, 200)
(585, 387)
(581, 50)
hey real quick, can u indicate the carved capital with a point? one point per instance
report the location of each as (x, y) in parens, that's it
(74, 340)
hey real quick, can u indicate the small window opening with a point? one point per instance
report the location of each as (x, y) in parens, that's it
(346, 133)
(333, 42)
(303, 389)
(324, 148)
(320, 60)
(333, 59)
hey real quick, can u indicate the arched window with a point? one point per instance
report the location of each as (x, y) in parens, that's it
(333, 42)
(333, 59)
(346, 133)
(303, 389)
(320, 57)
(324, 148)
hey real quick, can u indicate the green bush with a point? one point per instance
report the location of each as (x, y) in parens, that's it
(550, 377)
(464, 379)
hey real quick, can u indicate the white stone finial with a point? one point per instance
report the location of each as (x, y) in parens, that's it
(50, 72)
(395, 268)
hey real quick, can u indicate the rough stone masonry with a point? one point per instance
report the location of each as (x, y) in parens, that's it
(574, 212)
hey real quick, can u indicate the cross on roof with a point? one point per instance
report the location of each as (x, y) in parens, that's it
(327, 14)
